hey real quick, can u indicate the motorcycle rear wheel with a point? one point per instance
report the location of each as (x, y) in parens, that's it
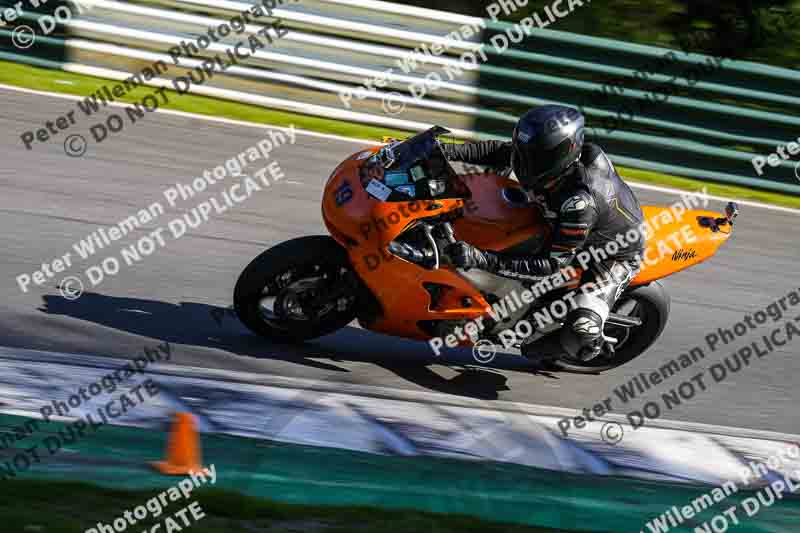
(308, 282)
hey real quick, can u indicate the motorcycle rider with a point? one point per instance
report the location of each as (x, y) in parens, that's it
(586, 202)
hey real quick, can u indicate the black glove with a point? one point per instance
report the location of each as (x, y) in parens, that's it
(465, 255)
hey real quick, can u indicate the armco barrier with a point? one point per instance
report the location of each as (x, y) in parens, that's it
(710, 128)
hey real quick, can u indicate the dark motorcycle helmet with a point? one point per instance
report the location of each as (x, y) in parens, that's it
(546, 142)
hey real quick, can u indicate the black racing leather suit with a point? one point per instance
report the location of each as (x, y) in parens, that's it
(589, 208)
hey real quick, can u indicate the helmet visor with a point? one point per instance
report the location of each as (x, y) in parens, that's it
(532, 164)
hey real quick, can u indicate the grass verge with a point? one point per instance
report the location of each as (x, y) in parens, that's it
(81, 85)
(70, 507)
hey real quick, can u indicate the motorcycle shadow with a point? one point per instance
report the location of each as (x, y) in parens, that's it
(454, 371)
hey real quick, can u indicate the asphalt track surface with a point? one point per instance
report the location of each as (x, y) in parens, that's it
(49, 201)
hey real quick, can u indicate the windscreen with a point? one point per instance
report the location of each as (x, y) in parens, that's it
(414, 169)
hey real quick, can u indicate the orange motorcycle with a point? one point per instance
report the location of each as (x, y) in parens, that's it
(392, 210)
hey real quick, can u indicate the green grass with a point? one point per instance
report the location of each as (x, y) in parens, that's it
(81, 85)
(43, 79)
(71, 507)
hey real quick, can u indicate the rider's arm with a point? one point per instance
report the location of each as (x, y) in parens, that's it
(577, 217)
(523, 267)
(495, 154)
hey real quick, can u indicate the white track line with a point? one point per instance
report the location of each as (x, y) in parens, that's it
(665, 190)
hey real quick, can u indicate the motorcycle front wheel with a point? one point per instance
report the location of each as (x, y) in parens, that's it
(298, 290)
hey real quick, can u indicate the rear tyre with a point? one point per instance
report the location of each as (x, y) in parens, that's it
(298, 290)
(651, 305)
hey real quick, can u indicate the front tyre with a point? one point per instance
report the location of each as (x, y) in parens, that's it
(650, 304)
(298, 290)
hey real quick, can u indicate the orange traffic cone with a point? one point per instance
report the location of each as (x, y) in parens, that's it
(183, 448)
